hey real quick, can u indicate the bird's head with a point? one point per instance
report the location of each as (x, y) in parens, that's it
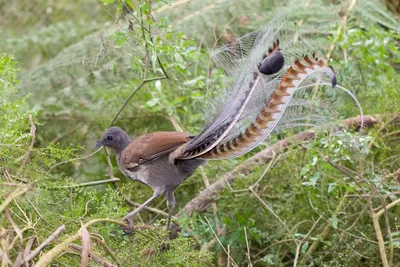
(115, 138)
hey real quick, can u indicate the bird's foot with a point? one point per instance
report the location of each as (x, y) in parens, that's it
(165, 246)
(129, 229)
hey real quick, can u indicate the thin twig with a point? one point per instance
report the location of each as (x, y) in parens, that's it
(109, 164)
(274, 214)
(388, 206)
(342, 26)
(100, 240)
(12, 184)
(30, 149)
(150, 209)
(58, 138)
(219, 241)
(16, 193)
(269, 166)
(93, 183)
(44, 244)
(213, 205)
(304, 239)
(248, 248)
(13, 224)
(229, 257)
(37, 211)
(132, 94)
(147, 208)
(72, 160)
(325, 232)
(27, 249)
(27, 219)
(388, 230)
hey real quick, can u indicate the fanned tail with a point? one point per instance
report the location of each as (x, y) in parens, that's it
(272, 111)
(235, 108)
(260, 90)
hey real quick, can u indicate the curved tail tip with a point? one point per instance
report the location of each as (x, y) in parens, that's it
(332, 74)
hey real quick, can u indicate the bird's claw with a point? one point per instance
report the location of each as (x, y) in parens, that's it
(165, 246)
(127, 230)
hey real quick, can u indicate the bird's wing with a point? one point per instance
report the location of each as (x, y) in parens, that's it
(151, 146)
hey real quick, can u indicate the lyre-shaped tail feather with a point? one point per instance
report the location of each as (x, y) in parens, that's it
(235, 108)
(272, 111)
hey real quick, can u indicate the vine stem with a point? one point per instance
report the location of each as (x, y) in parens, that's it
(133, 93)
(341, 27)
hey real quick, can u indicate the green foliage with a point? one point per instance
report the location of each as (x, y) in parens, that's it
(369, 67)
(77, 69)
(52, 199)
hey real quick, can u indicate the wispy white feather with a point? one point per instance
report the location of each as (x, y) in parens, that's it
(248, 91)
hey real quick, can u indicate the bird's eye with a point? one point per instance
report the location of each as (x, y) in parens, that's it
(109, 137)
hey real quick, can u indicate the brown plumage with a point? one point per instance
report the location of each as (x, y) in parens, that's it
(150, 146)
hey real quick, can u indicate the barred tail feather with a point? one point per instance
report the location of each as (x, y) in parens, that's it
(273, 110)
(232, 113)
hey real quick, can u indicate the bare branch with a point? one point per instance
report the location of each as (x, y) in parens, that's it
(204, 198)
(93, 256)
(16, 193)
(85, 247)
(48, 257)
(27, 249)
(44, 244)
(378, 233)
(388, 206)
(14, 225)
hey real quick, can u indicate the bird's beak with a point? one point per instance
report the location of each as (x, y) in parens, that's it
(98, 144)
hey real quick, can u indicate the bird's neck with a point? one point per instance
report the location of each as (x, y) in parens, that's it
(124, 142)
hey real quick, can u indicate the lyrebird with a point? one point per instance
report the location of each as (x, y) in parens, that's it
(260, 90)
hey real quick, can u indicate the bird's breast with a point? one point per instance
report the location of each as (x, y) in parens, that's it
(133, 173)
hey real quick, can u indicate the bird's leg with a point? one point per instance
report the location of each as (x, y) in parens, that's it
(129, 217)
(171, 205)
(169, 195)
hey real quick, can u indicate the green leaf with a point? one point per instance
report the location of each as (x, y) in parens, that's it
(304, 247)
(396, 243)
(331, 187)
(304, 170)
(152, 102)
(313, 179)
(227, 221)
(334, 221)
(235, 236)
